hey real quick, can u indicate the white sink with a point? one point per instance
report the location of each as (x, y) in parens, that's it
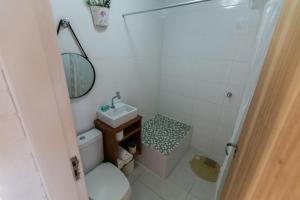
(119, 115)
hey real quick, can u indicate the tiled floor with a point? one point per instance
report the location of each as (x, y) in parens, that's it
(182, 184)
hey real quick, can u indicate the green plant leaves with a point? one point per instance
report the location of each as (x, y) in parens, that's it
(102, 3)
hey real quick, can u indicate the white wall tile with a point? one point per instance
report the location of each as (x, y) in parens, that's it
(228, 116)
(179, 86)
(209, 91)
(207, 51)
(176, 106)
(244, 49)
(205, 112)
(212, 70)
(239, 73)
(237, 95)
(202, 139)
(174, 67)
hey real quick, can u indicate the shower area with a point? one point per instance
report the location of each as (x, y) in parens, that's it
(206, 59)
(205, 55)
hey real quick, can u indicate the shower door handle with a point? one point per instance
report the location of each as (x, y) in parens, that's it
(230, 145)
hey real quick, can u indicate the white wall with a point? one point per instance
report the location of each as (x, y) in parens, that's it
(19, 176)
(207, 51)
(126, 56)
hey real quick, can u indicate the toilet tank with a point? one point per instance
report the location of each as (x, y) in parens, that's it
(91, 149)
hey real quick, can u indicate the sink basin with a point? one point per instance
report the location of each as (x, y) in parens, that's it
(115, 117)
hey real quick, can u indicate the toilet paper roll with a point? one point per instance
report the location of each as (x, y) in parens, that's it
(120, 136)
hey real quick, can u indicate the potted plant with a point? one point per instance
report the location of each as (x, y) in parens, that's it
(99, 11)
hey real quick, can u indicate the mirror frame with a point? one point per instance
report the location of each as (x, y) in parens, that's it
(94, 72)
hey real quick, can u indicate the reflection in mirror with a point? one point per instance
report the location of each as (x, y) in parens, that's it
(80, 74)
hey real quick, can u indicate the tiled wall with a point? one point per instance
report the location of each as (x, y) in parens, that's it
(207, 52)
(126, 55)
(19, 177)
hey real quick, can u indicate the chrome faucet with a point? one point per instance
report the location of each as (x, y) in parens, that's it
(118, 96)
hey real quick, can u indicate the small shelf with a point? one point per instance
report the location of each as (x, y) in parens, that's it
(132, 132)
(128, 135)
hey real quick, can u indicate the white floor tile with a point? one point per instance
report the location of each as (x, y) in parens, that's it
(138, 170)
(131, 179)
(190, 197)
(182, 184)
(185, 161)
(203, 190)
(183, 176)
(142, 192)
(164, 188)
(190, 155)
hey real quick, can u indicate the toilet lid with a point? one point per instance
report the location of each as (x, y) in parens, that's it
(107, 182)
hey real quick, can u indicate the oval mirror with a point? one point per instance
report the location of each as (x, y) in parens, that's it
(80, 74)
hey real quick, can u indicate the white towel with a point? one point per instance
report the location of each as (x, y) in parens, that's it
(124, 157)
(120, 163)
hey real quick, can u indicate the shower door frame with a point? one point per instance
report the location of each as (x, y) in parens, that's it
(267, 163)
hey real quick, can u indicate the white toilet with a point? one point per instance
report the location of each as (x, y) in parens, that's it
(104, 180)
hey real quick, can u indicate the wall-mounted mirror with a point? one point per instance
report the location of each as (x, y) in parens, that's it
(80, 74)
(79, 70)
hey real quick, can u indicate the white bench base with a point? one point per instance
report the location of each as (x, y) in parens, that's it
(161, 164)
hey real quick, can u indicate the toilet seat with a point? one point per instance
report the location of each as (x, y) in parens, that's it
(107, 182)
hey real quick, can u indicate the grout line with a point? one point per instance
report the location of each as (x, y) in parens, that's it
(141, 182)
(138, 179)
(188, 192)
(162, 198)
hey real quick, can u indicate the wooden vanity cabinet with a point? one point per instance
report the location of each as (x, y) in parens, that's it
(132, 132)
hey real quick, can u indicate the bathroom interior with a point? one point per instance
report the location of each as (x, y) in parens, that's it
(159, 89)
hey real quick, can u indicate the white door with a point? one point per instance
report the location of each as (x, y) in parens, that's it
(268, 23)
(33, 72)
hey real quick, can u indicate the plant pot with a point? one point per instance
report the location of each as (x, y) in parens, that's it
(120, 136)
(100, 15)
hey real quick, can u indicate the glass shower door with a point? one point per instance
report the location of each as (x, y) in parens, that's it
(268, 23)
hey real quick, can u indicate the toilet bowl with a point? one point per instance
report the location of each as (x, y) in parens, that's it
(104, 180)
